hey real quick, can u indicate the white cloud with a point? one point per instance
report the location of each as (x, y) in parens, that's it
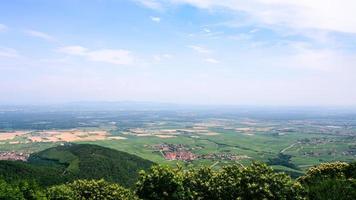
(241, 37)
(206, 30)
(112, 56)
(159, 58)
(8, 52)
(255, 30)
(200, 49)
(330, 15)
(3, 28)
(212, 60)
(40, 35)
(155, 19)
(326, 60)
(167, 56)
(74, 50)
(153, 4)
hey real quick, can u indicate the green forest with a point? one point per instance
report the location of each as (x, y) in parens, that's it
(93, 172)
(67, 163)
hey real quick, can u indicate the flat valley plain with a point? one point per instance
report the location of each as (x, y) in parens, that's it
(289, 140)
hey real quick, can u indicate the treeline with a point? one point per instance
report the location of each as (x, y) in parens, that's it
(254, 182)
(70, 162)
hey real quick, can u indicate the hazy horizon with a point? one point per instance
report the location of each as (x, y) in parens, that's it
(195, 52)
(161, 106)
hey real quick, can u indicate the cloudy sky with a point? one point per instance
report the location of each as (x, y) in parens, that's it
(255, 52)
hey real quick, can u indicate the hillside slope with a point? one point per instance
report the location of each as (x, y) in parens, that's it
(65, 163)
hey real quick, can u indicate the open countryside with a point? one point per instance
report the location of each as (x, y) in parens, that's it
(178, 100)
(190, 138)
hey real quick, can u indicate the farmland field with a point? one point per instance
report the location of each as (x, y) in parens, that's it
(287, 141)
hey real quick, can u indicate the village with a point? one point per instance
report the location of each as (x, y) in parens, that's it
(184, 153)
(14, 156)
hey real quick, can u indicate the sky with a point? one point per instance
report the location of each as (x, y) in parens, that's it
(225, 52)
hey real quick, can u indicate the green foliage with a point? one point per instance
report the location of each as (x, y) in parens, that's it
(257, 181)
(86, 161)
(15, 171)
(60, 192)
(332, 189)
(162, 182)
(323, 171)
(21, 190)
(350, 170)
(31, 191)
(71, 162)
(283, 160)
(56, 166)
(9, 192)
(334, 181)
(90, 190)
(200, 183)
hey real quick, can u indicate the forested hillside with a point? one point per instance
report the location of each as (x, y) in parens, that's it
(76, 161)
(91, 172)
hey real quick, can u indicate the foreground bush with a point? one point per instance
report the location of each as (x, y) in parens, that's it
(9, 192)
(22, 190)
(257, 181)
(329, 181)
(332, 181)
(90, 190)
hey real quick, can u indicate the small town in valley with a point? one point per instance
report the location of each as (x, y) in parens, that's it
(13, 156)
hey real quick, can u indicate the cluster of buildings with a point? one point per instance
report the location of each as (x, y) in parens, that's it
(223, 156)
(180, 155)
(169, 147)
(182, 152)
(175, 152)
(13, 156)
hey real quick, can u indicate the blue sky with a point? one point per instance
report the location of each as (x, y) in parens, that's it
(258, 52)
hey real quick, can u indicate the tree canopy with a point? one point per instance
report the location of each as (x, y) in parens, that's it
(257, 181)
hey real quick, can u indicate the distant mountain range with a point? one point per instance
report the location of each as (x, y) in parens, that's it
(108, 106)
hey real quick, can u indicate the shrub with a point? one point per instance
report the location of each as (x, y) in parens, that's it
(31, 190)
(324, 171)
(9, 192)
(161, 182)
(333, 181)
(60, 192)
(90, 190)
(257, 181)
(21, 190)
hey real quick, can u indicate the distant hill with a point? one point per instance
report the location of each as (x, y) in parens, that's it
(76, 161)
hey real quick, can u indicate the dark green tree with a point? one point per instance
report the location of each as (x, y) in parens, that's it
(90, 190)
(332, 181)
(31, 190)
(162, 182)
(60, 192)
(9, 192)
(257, 181)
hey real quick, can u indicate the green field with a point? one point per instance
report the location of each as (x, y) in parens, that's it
(286, 144)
